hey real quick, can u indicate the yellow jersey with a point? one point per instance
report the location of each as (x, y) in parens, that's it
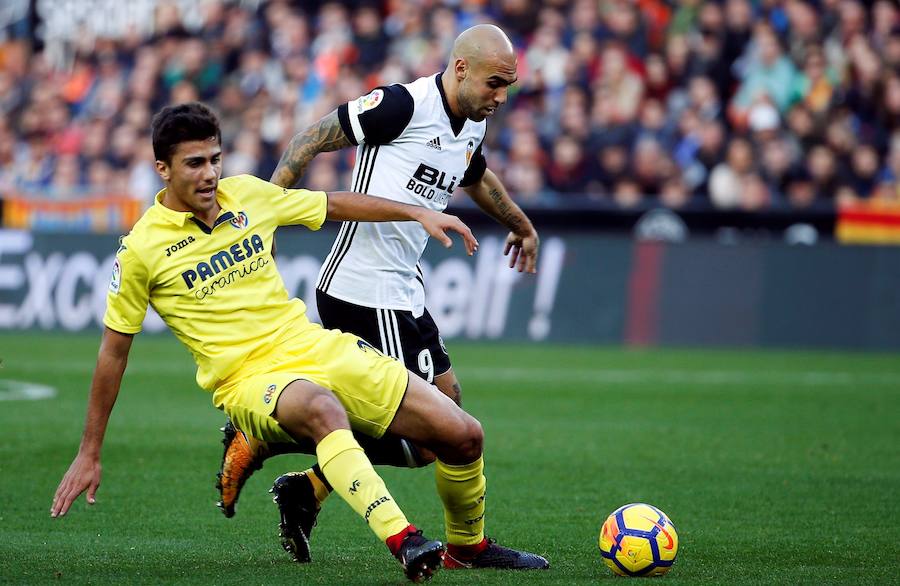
(216, 288)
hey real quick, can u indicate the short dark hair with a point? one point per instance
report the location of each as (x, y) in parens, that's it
(176, 124)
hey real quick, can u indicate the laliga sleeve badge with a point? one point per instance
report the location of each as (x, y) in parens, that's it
(115, 280)
(369, 101)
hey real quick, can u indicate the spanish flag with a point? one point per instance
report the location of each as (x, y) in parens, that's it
(874, 221)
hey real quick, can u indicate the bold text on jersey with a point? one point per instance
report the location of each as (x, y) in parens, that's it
(223, 260)
(432, 184)
(179, 245)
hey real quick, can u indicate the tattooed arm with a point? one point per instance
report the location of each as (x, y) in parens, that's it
(325, 135)
(523, 241)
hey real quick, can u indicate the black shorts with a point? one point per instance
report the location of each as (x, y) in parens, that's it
(393, 331)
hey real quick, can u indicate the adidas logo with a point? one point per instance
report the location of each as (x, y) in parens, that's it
(434, 143)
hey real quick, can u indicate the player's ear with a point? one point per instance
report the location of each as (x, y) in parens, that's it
(162, 169)
(461, 67)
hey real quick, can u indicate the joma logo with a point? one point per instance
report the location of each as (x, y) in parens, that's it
(179, 245)
(374, 505)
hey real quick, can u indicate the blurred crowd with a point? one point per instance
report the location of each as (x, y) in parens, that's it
(732, 104)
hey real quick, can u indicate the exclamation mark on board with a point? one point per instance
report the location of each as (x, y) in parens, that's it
(549, 270)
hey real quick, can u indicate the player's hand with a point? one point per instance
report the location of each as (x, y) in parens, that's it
(522, 251)
(437, 224)
(83, 474)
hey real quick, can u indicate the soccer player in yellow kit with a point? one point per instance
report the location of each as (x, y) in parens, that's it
(201, 256)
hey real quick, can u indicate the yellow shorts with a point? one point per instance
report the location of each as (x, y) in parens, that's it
(369, 384)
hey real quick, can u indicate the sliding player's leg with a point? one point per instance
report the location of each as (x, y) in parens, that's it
(307, 412)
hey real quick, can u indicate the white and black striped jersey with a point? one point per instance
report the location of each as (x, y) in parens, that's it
(411, 149)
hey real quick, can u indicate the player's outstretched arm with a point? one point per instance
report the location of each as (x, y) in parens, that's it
(84, 472)
(348, 205)
(522, 242)
(325, 135)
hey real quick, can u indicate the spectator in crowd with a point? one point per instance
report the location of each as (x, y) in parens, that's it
(726, 181)
(583, 64)
(619, 86)
(816, 85)
(546, 58)
(652, 123)
(799, 189)
(66, 181)
(891, 49)
(739, 21)
(888, 185)
(704, 98)
(567, 169)
(33, 167)
(864, 169)
(610, 167)
(776, 164)
(889, 112)
(675, 193)
(861, 88)
(530, 184)
(650, 166)
(573, 115)
(708, 49)
(754, 193)
(623, 23)
(803, 128)
(804, 28)
(824, 170)
(768, 73)
(657, 83)
(627, 193)
(370, 39)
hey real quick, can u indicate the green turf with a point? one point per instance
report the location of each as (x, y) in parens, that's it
(776, 467)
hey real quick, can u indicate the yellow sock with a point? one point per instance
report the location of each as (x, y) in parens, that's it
(350, 473)
(462, 490)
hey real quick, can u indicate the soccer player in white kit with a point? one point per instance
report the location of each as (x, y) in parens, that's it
(417, 143)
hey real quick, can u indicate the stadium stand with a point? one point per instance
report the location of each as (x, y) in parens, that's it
(789, 108)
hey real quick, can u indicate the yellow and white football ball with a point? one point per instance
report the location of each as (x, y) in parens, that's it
(638, 540)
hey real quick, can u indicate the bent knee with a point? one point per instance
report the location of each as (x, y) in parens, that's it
(310, 412)
(470, 440)
(325, 413)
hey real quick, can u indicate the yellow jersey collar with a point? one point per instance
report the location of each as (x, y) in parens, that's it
(230, 205)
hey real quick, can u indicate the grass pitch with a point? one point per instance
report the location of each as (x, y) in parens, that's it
(776, 467)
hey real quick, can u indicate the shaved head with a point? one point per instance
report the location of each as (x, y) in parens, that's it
(482, 66)
(483, 41)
